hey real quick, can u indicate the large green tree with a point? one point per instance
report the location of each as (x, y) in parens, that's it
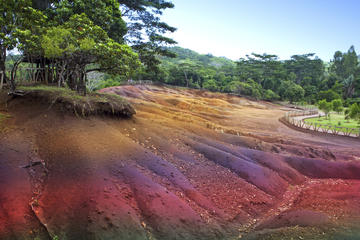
(12, 18)
(325, 106)
(291, 91)
(307, 68)
(78, 43)
(103, 13)
(146, 31)
(67, 38)
(19, 23)
(354, 112)
(337, 105)
(346, 67)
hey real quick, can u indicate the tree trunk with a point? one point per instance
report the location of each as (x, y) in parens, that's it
(2, 62)
(62, 73)
(85, 80)
(13, 75)
(1, 80)
(186, 79)
(71, 79)
(41, 72)
(81, 87)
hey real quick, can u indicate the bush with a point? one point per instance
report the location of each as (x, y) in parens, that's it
(211, 85)
(230, 87)
(337, 105)
(110, 81)
(245, 89)
(195, 85)
(269, 95)
(325, 106)
(310, 93)
(354, 112)
(328, 95)
(253, 89)
(350, 101)
(291, 91)
(248, 88)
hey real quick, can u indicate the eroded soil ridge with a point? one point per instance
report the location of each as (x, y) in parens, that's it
(189, 165)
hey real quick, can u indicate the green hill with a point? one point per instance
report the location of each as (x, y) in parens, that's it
(205, 59)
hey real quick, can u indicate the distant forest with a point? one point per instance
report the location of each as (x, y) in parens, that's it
(66, 43)
(301, 78)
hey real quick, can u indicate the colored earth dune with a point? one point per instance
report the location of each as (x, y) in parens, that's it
(189, 165)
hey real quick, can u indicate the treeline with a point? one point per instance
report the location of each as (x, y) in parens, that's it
(301, 78)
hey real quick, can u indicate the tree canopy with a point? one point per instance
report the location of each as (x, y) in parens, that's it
(66, 39)
(146, 30)
(325, 106)
(16, 15)
(263, 76)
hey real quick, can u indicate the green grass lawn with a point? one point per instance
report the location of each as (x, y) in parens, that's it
(334, 120)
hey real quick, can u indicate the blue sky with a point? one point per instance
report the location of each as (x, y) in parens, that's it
(234, 28)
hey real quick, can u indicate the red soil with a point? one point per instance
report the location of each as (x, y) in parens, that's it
(189, 165)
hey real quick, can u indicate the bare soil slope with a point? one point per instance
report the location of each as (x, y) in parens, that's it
(189, 165)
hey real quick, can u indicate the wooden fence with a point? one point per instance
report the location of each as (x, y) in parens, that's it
(137, 82)
(293, 114)
(296, 118)
(23, 75)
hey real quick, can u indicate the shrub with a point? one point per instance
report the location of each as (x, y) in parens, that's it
(354, 112)
(337, 105)
(348, 102)
(291, 91)
(270, 95)
(325, 106)
(210, 85)
(328, 95)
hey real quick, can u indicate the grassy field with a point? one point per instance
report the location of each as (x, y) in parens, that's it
(335, 120)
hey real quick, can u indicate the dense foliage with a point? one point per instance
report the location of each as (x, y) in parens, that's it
(67, 39)
(354, 112)
(146, 31)
(301, 78)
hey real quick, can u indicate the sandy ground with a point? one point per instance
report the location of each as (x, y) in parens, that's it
(189, 165)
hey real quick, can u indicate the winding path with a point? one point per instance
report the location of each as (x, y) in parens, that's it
(298, 121)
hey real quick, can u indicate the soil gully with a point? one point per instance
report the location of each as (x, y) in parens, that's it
(189, 165)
